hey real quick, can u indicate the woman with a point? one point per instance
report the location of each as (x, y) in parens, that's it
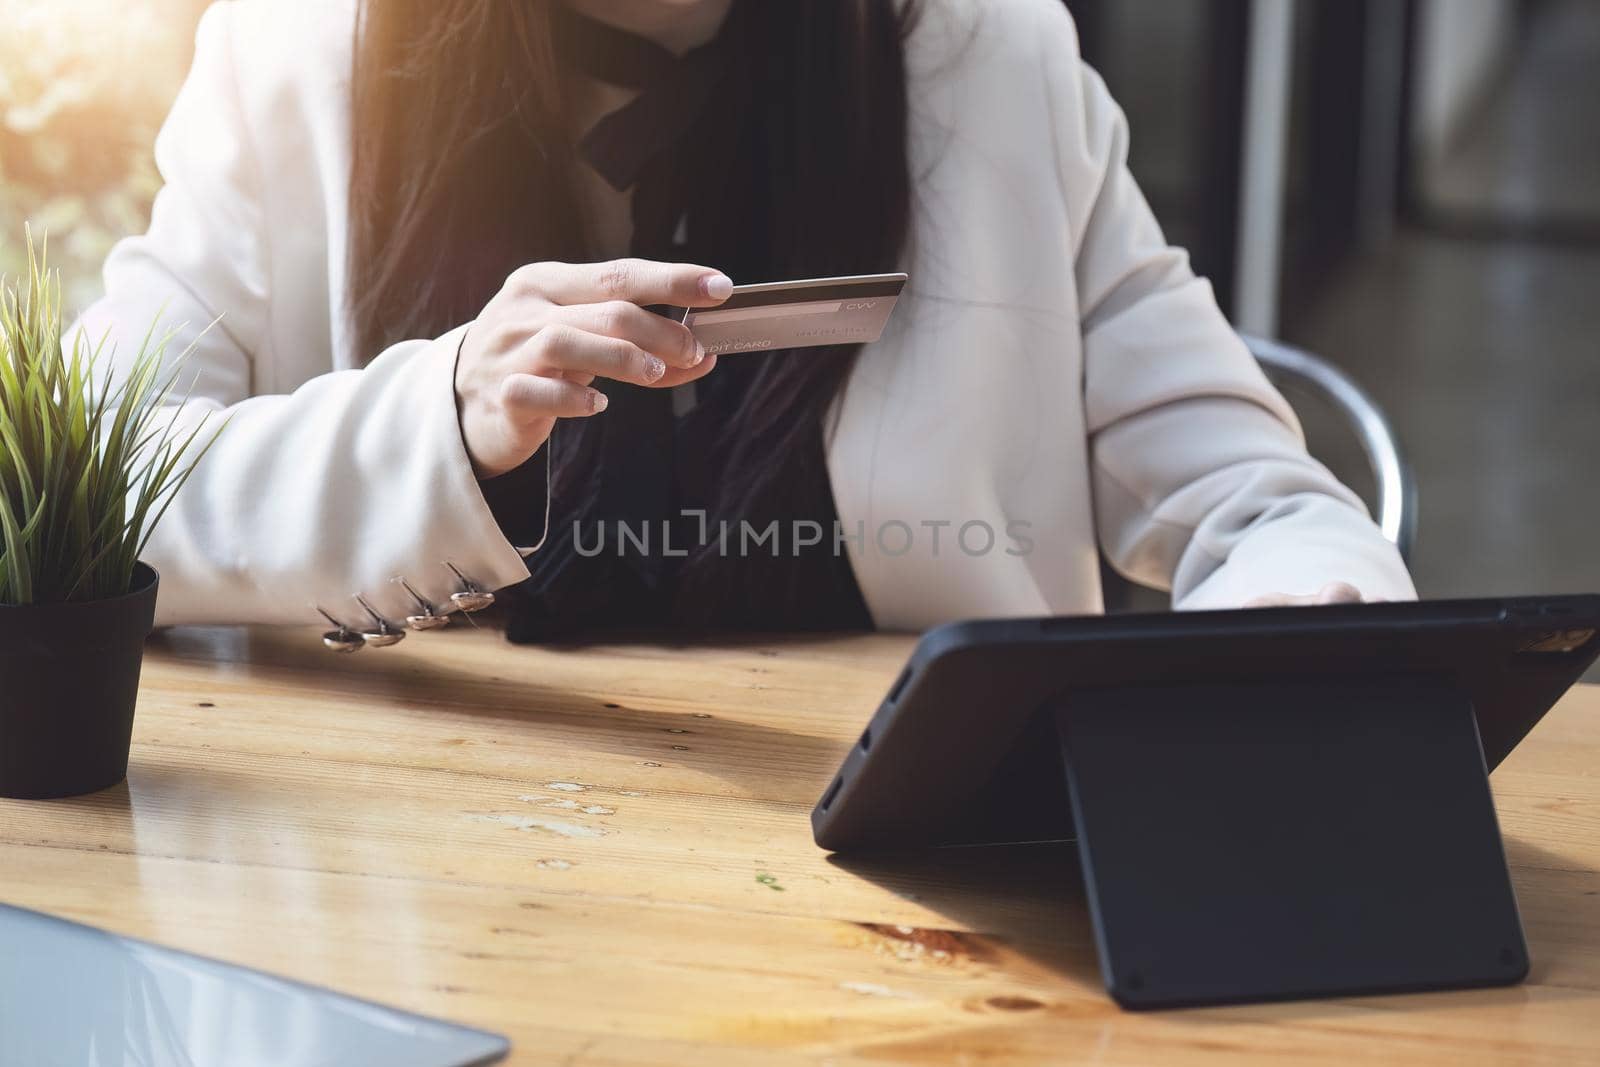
(429, 230)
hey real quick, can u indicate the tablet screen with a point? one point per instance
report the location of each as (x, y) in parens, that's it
(74, 995)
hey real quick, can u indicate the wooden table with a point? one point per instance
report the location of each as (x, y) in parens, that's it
(605, 854)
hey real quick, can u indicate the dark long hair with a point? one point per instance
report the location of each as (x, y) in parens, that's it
(463, 169)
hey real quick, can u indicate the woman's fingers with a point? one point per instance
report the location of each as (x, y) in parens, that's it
(529, 398)
(671, 341)
(675, 376)
(563, 351)
(1339, 593)
(559, 350)
(638, 281)
(539, 343)
(1332, 593)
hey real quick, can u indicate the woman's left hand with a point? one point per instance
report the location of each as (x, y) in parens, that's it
(1332, 593)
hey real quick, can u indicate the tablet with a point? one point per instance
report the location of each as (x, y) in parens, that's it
(74, 994)
(1267, 804)
(956, 754)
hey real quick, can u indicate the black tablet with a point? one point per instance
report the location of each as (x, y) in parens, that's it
(1255, 772)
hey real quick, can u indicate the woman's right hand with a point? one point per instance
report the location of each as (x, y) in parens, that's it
(553, 328)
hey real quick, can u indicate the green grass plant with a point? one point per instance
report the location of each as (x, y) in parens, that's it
(90, 458)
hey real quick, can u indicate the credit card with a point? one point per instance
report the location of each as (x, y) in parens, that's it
(799, 314)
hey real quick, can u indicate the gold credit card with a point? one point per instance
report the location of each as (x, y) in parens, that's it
(799, 314)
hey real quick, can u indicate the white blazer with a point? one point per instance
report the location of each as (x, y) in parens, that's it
(1054, 365)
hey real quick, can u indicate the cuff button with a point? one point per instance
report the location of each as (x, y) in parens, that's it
(471, 598)
(341, 638)
(383, 632)
(427, 617)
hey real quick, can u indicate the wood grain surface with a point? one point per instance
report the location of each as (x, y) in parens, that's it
(604, 853)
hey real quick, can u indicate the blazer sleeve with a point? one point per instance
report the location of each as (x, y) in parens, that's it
(1201, 480)
(306, 499)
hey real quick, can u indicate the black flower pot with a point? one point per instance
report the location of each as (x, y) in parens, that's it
(69, 678)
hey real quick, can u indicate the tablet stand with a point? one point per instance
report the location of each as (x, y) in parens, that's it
(1274, 840)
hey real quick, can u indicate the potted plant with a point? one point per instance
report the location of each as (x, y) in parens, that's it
(88, 464)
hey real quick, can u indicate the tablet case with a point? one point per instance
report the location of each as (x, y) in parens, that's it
(1257, 842)
(1267, 804)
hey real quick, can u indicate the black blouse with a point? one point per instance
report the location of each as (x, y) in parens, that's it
(622, 554)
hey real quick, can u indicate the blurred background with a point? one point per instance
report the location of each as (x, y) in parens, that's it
(1408, 188)
(84, 85)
